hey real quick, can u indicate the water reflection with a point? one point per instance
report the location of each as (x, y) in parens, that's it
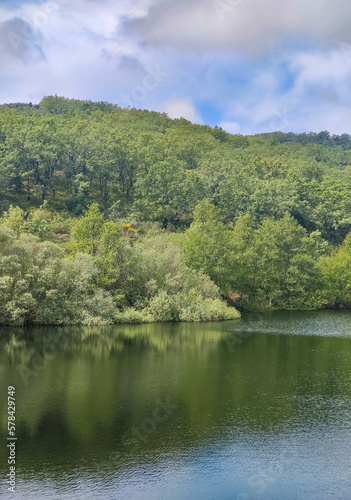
(182, 405)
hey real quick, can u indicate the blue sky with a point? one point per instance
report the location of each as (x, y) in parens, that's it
(247, 65)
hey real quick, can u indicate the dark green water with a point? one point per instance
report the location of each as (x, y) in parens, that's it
(258, 408)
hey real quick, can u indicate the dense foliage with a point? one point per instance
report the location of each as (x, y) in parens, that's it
(123, 215)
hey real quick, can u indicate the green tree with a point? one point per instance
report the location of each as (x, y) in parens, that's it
(14, 219)
(206, 243)
(336, 272)
(86, 232)
(285, 270)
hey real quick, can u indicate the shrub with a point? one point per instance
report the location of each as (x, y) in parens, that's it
(39, 285)
(131, 315)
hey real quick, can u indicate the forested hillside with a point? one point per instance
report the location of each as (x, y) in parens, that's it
(112, 214)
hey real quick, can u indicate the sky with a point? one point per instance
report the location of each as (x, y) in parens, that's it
(249, 66)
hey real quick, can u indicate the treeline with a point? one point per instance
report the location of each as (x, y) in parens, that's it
(123, 215)
(322, 138)
(107, 271)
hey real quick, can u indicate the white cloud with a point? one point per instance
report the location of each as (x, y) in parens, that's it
(318, 96)
(180, 108)
(245, 25)
(68, 48)
(107, 50)
(231, 127)
(332, 67)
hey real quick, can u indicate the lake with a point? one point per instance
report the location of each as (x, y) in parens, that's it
(257, 408)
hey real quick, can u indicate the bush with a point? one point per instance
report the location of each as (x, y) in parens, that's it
(169, 290)
(208, 310)
(131, 316)
(163, 308)
(39, 285)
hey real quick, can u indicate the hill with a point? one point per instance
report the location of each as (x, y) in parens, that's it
(160, 220)
(73, 153)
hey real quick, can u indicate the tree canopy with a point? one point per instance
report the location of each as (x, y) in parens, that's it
(161, 219)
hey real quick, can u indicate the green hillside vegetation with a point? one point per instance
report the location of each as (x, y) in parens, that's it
(122, 215)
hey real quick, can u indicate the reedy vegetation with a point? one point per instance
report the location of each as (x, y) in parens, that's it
(116, 215)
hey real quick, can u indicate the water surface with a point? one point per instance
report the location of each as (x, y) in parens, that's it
(258, 408)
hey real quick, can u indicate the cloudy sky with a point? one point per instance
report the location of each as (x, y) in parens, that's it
(247, 65)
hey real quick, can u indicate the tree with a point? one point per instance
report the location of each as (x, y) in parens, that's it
(336, 272)
(285, 269)
(207, 243)
(86, 232)
(14, 219)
